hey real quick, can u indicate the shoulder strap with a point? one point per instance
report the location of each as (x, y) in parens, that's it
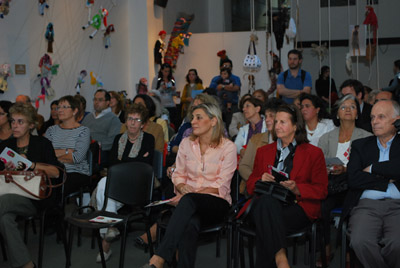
(303, 76)
(285, 74)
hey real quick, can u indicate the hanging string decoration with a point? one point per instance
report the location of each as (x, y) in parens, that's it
(49, 35)
(107, 35)
(280, 20)
(4, 8)
(81, 80)
(42, 5)
(179, 38)
(319, 51)
(99, 22)
(89, 4)
(5, 72)
(372, 21)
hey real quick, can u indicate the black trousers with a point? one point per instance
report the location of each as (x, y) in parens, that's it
(274, 221)
(74, 182)
(192, 212)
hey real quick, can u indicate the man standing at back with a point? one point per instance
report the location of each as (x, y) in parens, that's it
(104, 125)
(294, 81)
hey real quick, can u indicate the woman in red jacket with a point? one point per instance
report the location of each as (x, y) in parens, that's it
(305, 164)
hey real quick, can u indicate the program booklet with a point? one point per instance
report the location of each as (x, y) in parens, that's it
(157, 203)
(104, 219)
(9, 155)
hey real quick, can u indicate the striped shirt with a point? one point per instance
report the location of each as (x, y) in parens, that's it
(77, 139)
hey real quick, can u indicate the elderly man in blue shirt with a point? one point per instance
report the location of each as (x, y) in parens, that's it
(373, 201)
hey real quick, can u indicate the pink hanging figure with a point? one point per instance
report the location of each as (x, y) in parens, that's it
(42, 5)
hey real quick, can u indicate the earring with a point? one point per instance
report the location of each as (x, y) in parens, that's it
(337, 117)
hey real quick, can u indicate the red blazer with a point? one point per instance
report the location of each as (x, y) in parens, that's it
(309, 172)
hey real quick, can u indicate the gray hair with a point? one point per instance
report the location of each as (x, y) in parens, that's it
(340, 101)
(396, 108)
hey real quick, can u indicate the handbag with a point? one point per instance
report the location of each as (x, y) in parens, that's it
(252, 61)
(276, 190)
(337, 183)
(31, 184)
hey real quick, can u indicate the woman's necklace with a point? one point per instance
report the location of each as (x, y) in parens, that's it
(132, 140)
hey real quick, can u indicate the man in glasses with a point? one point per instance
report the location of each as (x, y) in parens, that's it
(104, 125)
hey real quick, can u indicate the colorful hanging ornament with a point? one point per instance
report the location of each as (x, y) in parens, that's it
(95, 80)
(42, 5)
(80, 81)
(89, 4)
(107, 35)
(99, 22)
(5, 72)
(47, 70)
(4, 8)
(371, 19)
(49, 37)
(319, 51)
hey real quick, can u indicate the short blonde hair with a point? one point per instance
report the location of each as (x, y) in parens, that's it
(212, 111)
(25, 110)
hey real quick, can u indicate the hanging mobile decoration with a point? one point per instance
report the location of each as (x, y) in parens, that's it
(371, 20)
(5, 72)
(107, 35)
(89, 4)
(179, 37)
(4, 8)
(95, 80)
(47, 70)
(99, 22)
(49, 37)
(42, 5)
(319, 51)
(80, 81)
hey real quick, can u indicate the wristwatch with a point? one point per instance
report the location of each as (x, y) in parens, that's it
(66, 151)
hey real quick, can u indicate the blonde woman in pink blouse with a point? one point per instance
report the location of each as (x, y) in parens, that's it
(205, 165)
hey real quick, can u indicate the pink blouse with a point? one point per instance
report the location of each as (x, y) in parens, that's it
(213, 169)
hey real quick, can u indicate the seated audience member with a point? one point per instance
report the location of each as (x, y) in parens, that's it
(117, 106)
(194, 84)
(71, 143)
(384, 95)
(53, 120)
(104, 125)
(134, 145)
(149, 103)
(258, 140)
(252, 111)
(23, 99)
(40, 152)
(82, 108)
(355, 88)
(202, 197)
(337, 143)
(167, 89)
(315, 116)
(234, 88)
(367, 91)
(261, 95)
(296, 102)
(308, 180)
(238, 119)
(5, 119)
(373, 200)
(394, 85)
(371, 96)
(40, 119)
(199, 99)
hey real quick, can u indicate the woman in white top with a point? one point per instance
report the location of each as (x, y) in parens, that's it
(238, 119)
(252, 111)
(314, 114)
(337, 143)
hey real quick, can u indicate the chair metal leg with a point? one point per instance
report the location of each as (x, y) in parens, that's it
(313, 243)
(41, 239)
(99, 243)
(218, 245)
(241, 249)
(294, 257)
(70, 240)
(229, 247)
(343, 249)
(250, 245)
(123, 245)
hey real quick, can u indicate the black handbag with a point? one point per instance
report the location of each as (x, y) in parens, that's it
(337, 183)
(276, 190)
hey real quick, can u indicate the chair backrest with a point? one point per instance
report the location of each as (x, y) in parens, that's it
(158, 164)
(235, 182)
(90, 161)
(130, 183)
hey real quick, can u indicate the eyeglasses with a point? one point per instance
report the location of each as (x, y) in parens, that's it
(18, 121)
(131, 119)
(306, 106)
(63, 107)
(99, 100)
(351, 107)
(2, 114)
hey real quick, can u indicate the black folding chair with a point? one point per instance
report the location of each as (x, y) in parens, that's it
(129, 183)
